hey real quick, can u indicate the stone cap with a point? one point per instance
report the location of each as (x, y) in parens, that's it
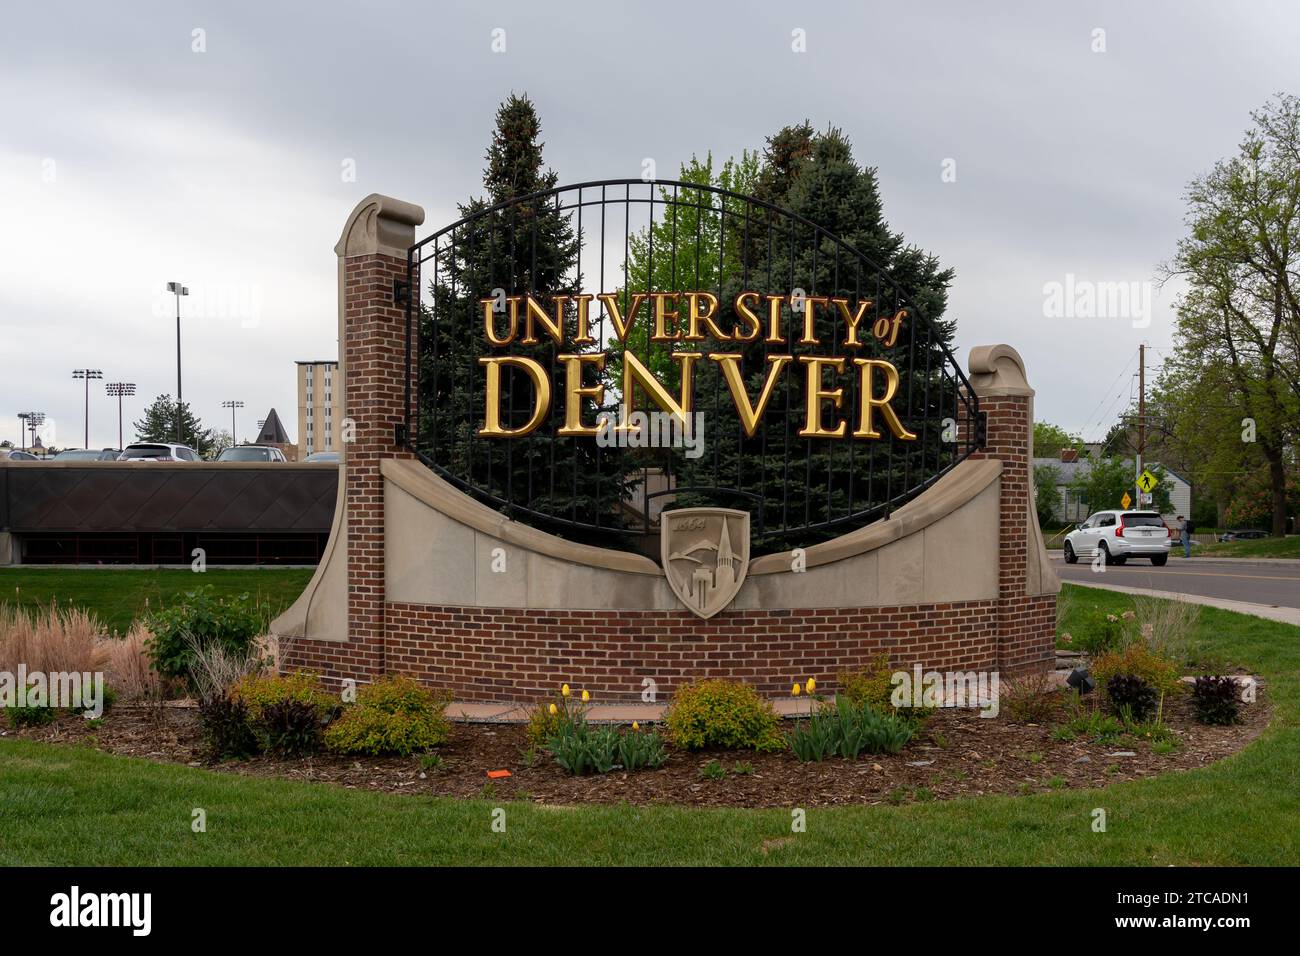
(380, 225)
(998, 370)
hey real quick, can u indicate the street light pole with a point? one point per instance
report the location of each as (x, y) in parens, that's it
(87, 374)
(119, 389)
(178, 290)
(232, 404)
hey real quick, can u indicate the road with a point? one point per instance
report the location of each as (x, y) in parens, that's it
(1230, 580)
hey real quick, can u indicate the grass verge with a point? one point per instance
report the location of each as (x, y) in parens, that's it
(62, 805)
(117, 596)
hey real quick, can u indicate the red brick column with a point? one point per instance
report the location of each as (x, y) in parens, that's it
(1026, 621)
(372, 338)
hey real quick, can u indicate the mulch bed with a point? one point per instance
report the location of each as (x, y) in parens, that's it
(957, 754)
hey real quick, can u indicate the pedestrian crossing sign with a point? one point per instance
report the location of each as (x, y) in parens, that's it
(1147, 481)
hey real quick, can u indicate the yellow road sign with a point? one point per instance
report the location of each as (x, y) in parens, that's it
(1147, 481)
(1126, 501)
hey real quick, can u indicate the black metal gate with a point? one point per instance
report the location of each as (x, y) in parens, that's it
(627, 237)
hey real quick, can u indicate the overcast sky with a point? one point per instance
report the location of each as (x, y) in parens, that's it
(128, 159)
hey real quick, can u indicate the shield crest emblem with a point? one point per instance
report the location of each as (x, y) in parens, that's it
(705, 554)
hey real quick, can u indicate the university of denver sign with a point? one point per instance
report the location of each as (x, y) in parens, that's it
(517, 510)
(552, 330)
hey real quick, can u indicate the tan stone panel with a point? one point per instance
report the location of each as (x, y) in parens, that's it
(961, 551)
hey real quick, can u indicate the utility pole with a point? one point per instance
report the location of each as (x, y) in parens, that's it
(1142, 414)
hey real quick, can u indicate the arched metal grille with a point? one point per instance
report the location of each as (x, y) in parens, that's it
(631, 236)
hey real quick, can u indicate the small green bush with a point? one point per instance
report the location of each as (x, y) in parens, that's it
(874, 685)
(261, 690)
(1100, 632)
(202, 618)
(1137, 660)
(1215, 700)
(391, 716)
(1031, 699)
(722, 714)
(30, 716)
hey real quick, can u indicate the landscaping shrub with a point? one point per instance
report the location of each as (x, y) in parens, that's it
(30, 715)
(848, 729)
(227, 731)
(1140, 661)
(723, 714)
(1100, 632)
(1031, 699)
(1215, 700)
(290, 727)
(128, 667)
(391, 716)
(198, 622)
(50, 639)
(874, 685)
(259, 691)
(1131, 696)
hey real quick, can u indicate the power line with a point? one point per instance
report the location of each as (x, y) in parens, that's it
(1088, 421)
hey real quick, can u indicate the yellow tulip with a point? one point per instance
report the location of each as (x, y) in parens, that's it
(585, 697)
(812, 684)
(635, 725)
(554, 710)
(565, 690)
(794, 691)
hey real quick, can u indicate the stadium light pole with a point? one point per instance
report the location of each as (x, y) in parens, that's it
(22, 427)
(178, 290)
(119, 389)
(232, 404)
(88, 374)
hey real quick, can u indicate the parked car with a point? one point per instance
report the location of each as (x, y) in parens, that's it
(158, 451)
(324, 456)
(1242, 534)
(1120, 535)
(16, 454)
(251, 453)
(88, 454)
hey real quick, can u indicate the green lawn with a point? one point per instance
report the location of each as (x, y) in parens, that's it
(1259, 548)
(60, 805)
(118, 596)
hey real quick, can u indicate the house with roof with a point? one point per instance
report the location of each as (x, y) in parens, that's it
(1071, 506)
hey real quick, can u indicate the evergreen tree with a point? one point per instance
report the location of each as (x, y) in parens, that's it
(812, 481)
(159, 425)
(526, 248)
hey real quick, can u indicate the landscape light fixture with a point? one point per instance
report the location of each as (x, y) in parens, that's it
(232, 404)
(178, 290)
(119, 389)
(88, 374)
(1081, 680)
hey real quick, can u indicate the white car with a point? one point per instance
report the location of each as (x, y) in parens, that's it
(158, 451)
(1120, 535)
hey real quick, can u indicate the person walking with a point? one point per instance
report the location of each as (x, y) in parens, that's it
(1187, 529)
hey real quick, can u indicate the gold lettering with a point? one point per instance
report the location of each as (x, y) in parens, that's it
(621, 326)
(541, 396)
(774, 303)
(662, 315)
(575, 392)
(809, 336)
(754, 323)
(584, 336)
(816, 394)
(868, 403)
(750, 415)
(695, 317)
(851, 322)
(535, 310)
(489, 327)
(634, 373)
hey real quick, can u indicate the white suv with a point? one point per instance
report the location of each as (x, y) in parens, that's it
(1120, 535)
